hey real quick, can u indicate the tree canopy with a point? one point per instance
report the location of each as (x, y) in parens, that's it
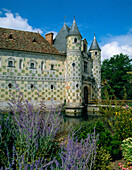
(115, 77)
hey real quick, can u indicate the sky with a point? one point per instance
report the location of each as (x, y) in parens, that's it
(110, 20)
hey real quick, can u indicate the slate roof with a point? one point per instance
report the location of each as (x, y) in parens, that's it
(25, 41)
(94, 45)
(60, 40)
(74, 29)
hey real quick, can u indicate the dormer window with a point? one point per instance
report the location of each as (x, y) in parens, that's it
(11, 62)
(33, 64)
(96, 53)
(34, 40)
(10, 36)
(75, 40)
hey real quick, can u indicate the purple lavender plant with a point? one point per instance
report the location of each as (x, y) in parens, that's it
(34, 130)
(78, 155)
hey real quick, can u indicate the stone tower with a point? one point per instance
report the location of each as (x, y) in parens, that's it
(73, 69)
(96, 70)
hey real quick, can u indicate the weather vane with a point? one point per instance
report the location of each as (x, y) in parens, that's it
(64, 18)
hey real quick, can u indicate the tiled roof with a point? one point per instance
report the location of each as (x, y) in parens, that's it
(25, 41)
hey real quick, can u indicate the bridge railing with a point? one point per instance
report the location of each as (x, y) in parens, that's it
(111, 102)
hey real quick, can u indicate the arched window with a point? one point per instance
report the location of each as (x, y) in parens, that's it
(32, 64)
(10, 63)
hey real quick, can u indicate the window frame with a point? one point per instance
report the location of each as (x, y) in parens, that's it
(33, 62)
(13, 62)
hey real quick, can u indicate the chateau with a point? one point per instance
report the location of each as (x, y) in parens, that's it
(60, 70)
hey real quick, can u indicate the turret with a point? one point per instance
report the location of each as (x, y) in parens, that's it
(73, 67)
(96, 70)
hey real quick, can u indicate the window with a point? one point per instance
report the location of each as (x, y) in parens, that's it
(32, 86)
(52, 86)
(10, 63)
(85, 48)
(75, 40)
(10, 36)
(52, 67)
(20, 64)
(10, 85)
(85, 67)
(73, 64)
(34, 40)
(42, 65)
(32, 64)
(76, 85)
(95, 53)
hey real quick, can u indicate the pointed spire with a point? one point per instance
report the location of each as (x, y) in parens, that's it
(94, 45)
(74, 29)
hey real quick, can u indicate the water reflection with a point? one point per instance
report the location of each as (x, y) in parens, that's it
(71, 122)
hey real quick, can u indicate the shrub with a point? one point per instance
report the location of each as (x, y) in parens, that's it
(103, 159)
(122, 123)
(127, 149)
(106, 140)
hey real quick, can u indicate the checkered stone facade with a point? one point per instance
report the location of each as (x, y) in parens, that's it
(73, 71)
(96, 70)
(49, 84)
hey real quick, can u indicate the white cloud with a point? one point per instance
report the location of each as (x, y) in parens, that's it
(116, 45)
(15, 21)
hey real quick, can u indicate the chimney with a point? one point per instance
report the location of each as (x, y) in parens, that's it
(49, 37)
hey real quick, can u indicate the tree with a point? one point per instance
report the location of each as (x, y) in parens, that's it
(115, 75)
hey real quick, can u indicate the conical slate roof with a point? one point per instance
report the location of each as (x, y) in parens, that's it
(74, 29)
(94, 45)
(60, 39)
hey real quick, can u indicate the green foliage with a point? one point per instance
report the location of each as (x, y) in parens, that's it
(6, 137)
(106, 140)
(114, 72)
(103, 159)
(127, 149)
